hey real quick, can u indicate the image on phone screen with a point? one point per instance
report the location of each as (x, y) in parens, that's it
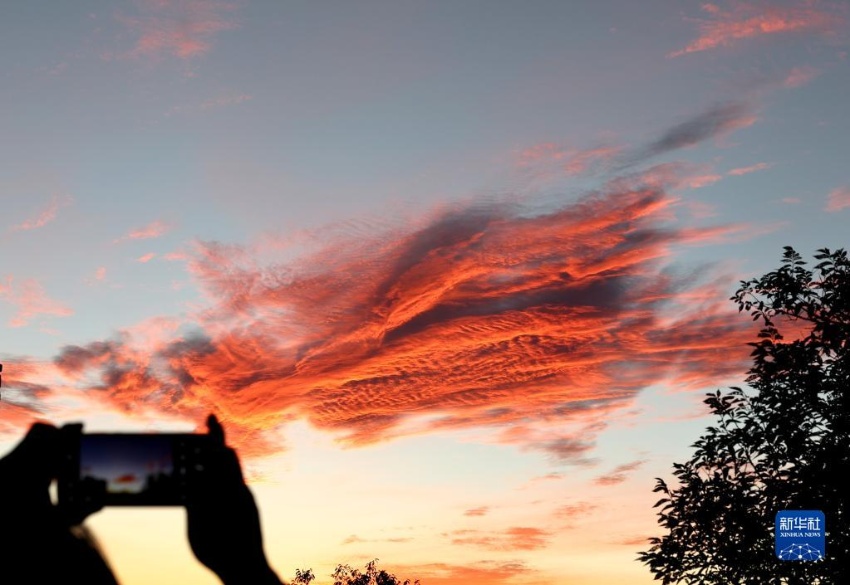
(137, 470)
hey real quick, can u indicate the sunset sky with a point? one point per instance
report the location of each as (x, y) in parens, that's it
(454, 275)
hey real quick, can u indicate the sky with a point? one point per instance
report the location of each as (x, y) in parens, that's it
(454, 276)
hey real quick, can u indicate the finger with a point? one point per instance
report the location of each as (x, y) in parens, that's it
(216, 431)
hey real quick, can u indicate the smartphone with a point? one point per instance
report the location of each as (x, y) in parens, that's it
(137, 469)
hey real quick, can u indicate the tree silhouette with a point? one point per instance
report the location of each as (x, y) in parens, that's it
(782, 443)
(346, 575)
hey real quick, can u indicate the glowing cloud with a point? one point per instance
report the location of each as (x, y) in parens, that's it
(45, 216)
(722, 28)
(154, 229)
(494, 315)
(30, 300)
(177, 28)
(512, 539)
(838, 199)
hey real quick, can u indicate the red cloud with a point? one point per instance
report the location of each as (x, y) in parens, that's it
(723, 28)
(495, 316)
(838, 199)
(126, 478)
(179, 28)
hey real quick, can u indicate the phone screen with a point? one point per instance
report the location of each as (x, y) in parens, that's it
(136, 469)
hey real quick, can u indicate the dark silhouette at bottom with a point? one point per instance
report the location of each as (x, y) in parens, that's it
(45, 543)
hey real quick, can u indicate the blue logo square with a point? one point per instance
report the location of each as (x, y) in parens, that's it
(800, 535)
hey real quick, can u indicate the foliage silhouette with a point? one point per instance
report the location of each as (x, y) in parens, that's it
(783, 443)
(346, 575)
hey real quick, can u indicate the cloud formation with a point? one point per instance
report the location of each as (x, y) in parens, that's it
(177, 28)
(497, 315)
(46, 215)
(619, 473)
(838, 199)
(750, 169)
(482, 572)
(745, 20)
(154, 229)
(30, 300)
(717, 120)
(511, 539)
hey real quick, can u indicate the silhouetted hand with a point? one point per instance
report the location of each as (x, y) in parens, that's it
(222, 517)
(25, 476)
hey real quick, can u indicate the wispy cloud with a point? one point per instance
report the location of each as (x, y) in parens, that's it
(30, 300)
(146, 257)
(177, 28)
(154, 229)
(750, 169)
(800, 76)
(214, 103)
(575, 511)
(45, 215)
(714, 122)
(571, 161)
(619, 473)
(838, 199)
(481, 511)
(224, 100)
(746, 20)
(718, 120)
(511, 539)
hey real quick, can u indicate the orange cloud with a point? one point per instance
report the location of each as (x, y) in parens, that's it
(575, 511)
(477, 511)
(146, 258)
(722, 28)
(30, 301)
(177, 28)
(154, 229)
(511, 539)
(838, 199)
(482, 316)
(490, 572)
(45, 216)
(126, 478)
